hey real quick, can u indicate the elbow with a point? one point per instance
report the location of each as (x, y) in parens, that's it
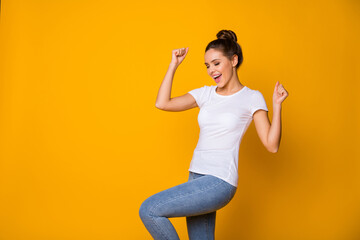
(272, 147)
(157, 105)
(273, 150)
(161, 106)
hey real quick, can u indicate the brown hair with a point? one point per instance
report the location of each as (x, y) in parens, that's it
(226, 42)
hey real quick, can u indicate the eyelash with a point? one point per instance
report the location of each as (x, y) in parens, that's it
(214, 64)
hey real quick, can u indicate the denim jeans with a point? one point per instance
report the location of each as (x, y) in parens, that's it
(197, 200)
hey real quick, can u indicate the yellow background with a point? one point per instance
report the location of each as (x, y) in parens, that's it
(82, 144)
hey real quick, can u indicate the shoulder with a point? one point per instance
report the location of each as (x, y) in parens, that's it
(203, 89)
(251, 91)
(201, 94)
(254, 93)
(208, 87)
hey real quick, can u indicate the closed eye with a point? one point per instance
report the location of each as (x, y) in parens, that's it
(214, 64)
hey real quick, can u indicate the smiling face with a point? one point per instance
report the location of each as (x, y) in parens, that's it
(219, 67)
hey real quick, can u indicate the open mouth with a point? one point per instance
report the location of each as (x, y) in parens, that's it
(217, 78)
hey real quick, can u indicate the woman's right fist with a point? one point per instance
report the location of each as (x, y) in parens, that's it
(178, 55)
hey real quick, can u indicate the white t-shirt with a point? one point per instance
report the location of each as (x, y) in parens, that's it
(223, 121)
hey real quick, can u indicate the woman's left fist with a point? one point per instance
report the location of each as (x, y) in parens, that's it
(279, 93)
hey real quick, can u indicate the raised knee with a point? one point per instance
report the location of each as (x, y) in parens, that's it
(144, 211)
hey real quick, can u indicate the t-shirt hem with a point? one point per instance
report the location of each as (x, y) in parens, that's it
(222, 178)
(261, 108)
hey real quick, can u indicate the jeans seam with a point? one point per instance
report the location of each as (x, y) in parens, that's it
(157, 225)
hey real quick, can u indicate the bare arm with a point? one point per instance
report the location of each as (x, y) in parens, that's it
(270, 134)
(164, 100)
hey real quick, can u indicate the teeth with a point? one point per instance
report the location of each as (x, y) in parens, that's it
(217, 76)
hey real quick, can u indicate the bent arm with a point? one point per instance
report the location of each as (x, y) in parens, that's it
(269, 133)
(176, 104)
(164, 93)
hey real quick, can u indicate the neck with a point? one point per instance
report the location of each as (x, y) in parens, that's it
(232, 86)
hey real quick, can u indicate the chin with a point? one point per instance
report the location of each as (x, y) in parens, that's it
(220, 84)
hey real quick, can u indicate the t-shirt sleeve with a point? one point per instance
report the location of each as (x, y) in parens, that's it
(257, 102)
(198, 94)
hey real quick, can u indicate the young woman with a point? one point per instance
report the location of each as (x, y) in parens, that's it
(226, 111)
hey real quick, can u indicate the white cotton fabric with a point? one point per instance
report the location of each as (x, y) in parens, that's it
(223, 121)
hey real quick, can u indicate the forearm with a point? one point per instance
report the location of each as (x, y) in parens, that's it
(274, 135)
(164, 93)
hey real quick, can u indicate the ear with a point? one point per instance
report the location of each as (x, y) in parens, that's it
(234, 60)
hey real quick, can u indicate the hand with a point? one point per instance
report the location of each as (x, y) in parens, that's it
(178, 55)
(279, 93)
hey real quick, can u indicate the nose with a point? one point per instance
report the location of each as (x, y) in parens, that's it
(211, 71)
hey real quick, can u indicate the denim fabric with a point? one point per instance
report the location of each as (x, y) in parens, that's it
(197, 200)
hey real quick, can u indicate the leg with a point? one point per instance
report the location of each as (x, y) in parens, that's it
(201, 226)
(199, 196)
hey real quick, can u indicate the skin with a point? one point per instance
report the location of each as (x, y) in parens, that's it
(216, 63)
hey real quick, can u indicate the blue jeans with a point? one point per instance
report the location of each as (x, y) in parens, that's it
(197, 200)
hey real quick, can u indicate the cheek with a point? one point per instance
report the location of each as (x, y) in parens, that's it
(223, 69)
(226, 68)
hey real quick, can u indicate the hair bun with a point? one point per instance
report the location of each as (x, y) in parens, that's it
(227, 34)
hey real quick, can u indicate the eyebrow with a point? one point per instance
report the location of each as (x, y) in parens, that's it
(213, 60)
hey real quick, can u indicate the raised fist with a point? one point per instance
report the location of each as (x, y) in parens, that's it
(178, 55)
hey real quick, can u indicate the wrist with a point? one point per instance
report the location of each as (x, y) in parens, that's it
(277, 106)
(173, 66)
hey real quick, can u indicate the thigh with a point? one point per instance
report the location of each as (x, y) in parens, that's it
(203, 194)
(201, 226)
